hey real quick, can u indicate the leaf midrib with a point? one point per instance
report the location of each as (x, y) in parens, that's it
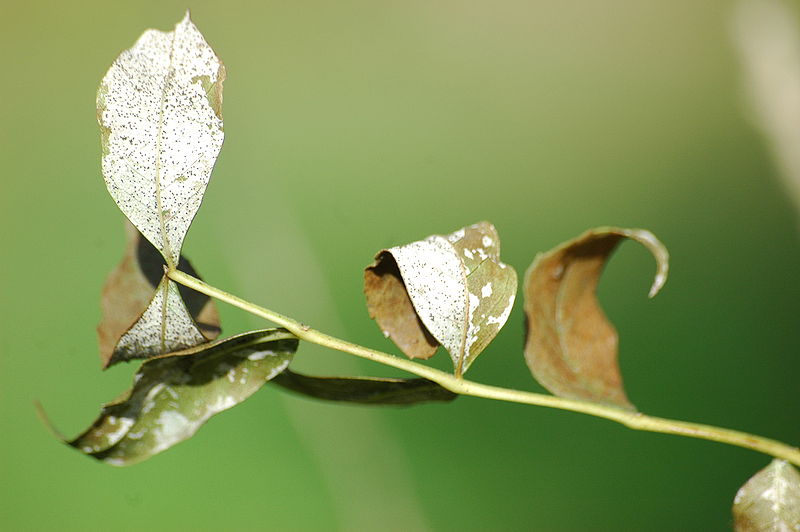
(167, 251)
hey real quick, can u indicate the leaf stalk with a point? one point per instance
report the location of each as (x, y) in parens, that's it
(461, 386)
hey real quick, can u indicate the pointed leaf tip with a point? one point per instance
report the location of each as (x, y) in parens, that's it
(769, 501)
(159, 109)
(659, 252)
(450, 290)
(571, 347)
(165, 326)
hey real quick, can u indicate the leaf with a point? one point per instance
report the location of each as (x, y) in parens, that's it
(160, 112)
(450, 290)
(372, 391)
(571, 347)
(769, 501)
(491, 287)
(129, 289)
(164, 327)
(174, 395)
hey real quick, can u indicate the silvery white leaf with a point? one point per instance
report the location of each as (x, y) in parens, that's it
(160, 112)
(436, 281)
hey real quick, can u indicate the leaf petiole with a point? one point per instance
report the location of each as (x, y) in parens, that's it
(632, 420)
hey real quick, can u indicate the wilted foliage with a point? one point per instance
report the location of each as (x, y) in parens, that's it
(160, 113)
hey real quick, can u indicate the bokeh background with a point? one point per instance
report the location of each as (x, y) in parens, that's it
(356, 125)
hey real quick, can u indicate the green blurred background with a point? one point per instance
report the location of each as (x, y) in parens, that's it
(357, 125)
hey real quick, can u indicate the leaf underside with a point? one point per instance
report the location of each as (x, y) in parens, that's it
(388, 303)
(571, 347)
(491, 288)
(769, 501)
(450, 290)
(127, 331)
(174, 395)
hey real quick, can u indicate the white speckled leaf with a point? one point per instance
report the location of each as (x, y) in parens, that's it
(451, 288)
(174, 396)
(165, 326)
(769, 501)
(435, 279)
(128, 292)
(160, 112)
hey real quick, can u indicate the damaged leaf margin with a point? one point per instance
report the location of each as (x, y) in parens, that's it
(450, 290)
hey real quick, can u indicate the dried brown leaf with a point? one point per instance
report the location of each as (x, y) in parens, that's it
(571, 347)
(160, 115)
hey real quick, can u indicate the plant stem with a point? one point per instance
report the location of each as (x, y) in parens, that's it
(633, 420)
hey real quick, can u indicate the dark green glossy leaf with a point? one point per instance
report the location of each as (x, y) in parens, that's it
(371, 391)
(175, 394)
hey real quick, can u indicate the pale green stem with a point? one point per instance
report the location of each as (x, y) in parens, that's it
(633, 420)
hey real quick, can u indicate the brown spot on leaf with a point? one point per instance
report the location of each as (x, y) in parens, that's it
(570, 346)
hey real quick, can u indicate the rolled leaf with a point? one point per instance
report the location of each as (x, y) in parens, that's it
(174, 395)
(361, 390)
(769, 501)
(450, 290)
(160, 112)
(128, 292)
(571, 347)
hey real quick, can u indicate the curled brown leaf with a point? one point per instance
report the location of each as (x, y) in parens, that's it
(571, 347)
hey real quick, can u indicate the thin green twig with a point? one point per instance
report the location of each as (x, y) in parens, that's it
(633, 420)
